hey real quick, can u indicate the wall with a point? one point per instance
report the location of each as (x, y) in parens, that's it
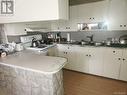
(3, 38)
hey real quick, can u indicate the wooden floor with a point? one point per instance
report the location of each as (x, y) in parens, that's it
(82, 84)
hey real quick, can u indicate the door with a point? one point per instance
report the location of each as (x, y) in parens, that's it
(117, 14)
(71, 56)
(123, 69)
(96, 61)
(82, 59)
(67, 51)
(112, 62)
(92, 12)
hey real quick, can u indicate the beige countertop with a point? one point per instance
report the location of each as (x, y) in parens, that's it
(35, 62)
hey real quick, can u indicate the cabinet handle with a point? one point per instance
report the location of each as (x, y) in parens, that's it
(121, 25)
(87, 55)
(119, 58)
(66, 52)
(124, 59)
(125, 25)
(114, 51)
(67, 27)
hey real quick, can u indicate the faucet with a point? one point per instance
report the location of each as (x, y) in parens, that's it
(91, 38)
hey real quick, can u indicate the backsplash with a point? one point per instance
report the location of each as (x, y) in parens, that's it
(78, 36)
(14, 38)
(98, 36)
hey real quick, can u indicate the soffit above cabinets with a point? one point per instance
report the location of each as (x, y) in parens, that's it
(77, 2)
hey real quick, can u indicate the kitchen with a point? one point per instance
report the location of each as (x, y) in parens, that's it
(87, 38)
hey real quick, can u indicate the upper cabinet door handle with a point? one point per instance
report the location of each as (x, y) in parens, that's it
(124, 59)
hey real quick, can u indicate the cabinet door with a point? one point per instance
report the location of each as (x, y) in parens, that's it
(71, 56)
(73, 18)
(123, 69)
(61, 50)
(82, 59)
(92, 12)
(117, 15)
(68, 52)
(112, 62)
(96, 61)
(50, 10)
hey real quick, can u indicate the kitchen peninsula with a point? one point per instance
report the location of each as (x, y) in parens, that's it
(26, 73)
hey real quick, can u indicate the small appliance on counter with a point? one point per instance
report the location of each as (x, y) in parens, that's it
(68, 37)
(3, 53)
(35, 42)
(9, 48)
(123, 40)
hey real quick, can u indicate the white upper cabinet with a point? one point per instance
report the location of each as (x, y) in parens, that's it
(84, 13)
(37, 10)
(92, 12)
(68, 25)
(117, 14)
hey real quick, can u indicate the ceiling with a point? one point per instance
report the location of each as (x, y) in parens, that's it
(76, 2)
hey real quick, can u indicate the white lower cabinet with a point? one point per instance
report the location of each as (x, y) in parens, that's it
(96, 61)
(68, 52)
(112, 62)
(101, 61)
(82, 59)
(90, 60)
(123, 69)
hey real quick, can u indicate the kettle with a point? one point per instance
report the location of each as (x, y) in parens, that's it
(34, 42)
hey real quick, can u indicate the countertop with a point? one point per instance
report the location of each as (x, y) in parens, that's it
(111, 46)
(35, 62)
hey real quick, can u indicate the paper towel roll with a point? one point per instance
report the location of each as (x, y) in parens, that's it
(68, 37)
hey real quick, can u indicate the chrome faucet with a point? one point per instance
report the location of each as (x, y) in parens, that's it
(91, 38)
